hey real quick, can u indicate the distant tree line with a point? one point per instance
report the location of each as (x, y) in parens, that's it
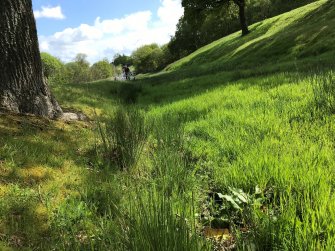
(77, 71)
(147, 58)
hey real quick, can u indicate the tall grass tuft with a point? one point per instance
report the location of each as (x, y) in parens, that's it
(170, 165)
(324, 92)
(123, 137)
(155, 224)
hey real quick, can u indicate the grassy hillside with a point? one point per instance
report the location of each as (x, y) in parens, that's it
(304, 33)
(230, 148)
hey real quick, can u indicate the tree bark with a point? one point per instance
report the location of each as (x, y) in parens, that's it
(22, 86)
(243, 20)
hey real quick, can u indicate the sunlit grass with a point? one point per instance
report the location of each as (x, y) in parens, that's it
(215, 128)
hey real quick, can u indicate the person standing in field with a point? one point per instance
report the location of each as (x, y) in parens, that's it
(123, 72)
(127, 72)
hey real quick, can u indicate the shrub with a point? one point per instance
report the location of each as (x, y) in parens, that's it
(122, 60)
(78, 71)
(101, 70)
(50, 64)
(148, 58)
(53, 69)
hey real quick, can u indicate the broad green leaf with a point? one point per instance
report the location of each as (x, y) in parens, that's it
(240, 195)
(232, 201)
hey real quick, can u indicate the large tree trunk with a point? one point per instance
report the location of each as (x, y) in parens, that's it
(22, 86)
(243, 20)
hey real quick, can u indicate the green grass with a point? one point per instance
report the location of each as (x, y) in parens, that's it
(300, 34)
(238, 136)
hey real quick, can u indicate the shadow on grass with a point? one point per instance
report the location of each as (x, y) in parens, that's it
(39, 162)
(31, 142)
(169, 87)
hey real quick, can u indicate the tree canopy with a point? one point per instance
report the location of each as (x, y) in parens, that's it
(122, 60)
(148, 58)
(196, 6)
(51, 65)
(101, 70)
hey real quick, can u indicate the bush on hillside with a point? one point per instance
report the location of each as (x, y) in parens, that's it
(78, 71)
(53, 69)
(50, 64)
(148, 58)
(101, 70)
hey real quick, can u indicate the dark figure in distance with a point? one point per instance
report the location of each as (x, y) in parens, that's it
(127, 72)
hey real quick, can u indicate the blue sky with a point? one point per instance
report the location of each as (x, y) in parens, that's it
(102, 28)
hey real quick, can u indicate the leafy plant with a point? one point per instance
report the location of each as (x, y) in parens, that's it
(148, 58)
(224, 210)
(51, 65)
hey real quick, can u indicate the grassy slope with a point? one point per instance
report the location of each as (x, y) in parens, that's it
(246, 123)
(300, 40)
(300, 34)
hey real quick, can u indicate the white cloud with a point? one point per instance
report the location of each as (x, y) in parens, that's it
(107, 37)
(49, 12)
(170, 12)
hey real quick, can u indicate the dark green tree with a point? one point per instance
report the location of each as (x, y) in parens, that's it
(79, 70)
(187, 37)
(122, 60)
(148, 58)
(197, 6)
